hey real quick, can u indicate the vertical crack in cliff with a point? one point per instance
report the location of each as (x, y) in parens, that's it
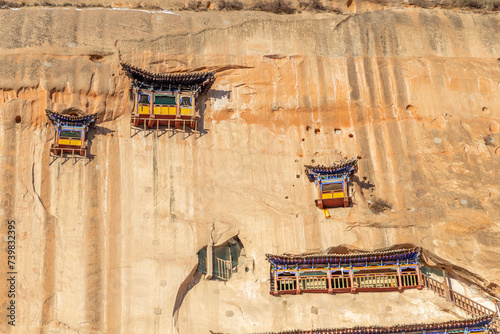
(155, 186)
(93, 245)
(49, 254)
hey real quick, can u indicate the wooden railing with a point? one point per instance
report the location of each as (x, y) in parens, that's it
(313, 283)
(340, 283)
(145, 123)
(286, 284)
(69, 152)
(376, 281)
(409, 279)
(382, 281)
(460, 300)
(433, 285)
(224, 270)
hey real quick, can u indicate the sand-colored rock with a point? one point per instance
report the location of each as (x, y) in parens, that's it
(105, 246)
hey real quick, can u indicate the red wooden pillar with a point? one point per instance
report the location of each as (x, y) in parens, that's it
(329, 280)
(297, 276)
(351, 277)
(400, 279)
(419, 278)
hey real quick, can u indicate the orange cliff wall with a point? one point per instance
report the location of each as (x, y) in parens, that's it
(105, 245)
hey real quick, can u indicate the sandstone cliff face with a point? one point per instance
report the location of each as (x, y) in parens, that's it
(109, 245)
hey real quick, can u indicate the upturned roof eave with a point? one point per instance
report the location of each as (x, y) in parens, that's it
(86, 119)
(202, 79)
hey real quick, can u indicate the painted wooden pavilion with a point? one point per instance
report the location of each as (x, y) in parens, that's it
(167, 99)
(333, 183)
(394, 270)
(480, 325)
(71, 127)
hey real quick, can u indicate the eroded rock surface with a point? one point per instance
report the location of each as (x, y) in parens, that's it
(105, 245)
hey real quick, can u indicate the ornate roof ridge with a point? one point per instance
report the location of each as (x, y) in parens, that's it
(350, 255)
(202, 80)
(398, 328)
(341, 163)
(55, 115)
(180, 75)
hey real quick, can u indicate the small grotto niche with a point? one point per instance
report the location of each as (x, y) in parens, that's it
(221, 261)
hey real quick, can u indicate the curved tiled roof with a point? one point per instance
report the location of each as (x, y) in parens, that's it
(472, 323)
(399, 254)
(72, 119)
(202, 79)
(350, 166)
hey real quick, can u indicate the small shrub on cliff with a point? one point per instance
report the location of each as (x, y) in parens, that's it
(194, 5)
(495, 5)
(473, 4)
(312, 5)
(379, 205)
(10, 4)
(423, 3)
(230, 5)
(274, 6)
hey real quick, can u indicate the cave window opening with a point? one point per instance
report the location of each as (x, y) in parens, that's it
(222, 261)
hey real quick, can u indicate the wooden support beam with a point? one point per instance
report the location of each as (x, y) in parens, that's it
(320, 194)
(57, 135)
(419, 278)
(351, 277)
(400, 279)
(136, 102)
(275, 280)
(210, 260)
(82, 137)
(346, 195)
(445, 285)
(329, 281)
(297, 276)
(151, 104)
(178, 106)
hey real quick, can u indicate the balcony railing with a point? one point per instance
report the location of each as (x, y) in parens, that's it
(342, 283)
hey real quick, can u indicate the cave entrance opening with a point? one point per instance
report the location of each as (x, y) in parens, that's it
(220, 262)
